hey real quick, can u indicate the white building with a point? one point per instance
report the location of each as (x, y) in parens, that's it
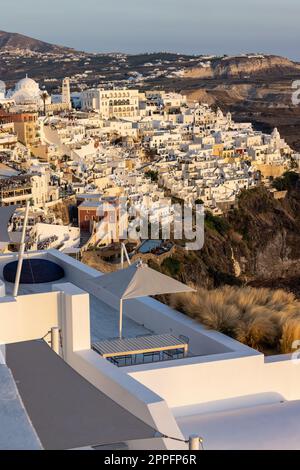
(19, 189)
(120, 103)
(27, 93)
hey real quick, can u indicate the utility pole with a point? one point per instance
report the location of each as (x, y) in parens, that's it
(21, 251)
(194, 442)
(55, 339)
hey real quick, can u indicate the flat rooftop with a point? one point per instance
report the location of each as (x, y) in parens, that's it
(16, 430)
(66, 411)
(272, 426)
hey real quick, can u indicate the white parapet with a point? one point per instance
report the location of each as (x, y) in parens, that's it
(120, 387)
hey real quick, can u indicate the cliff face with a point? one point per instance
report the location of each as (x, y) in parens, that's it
(258, 244)
(234, 67)
(271, 234)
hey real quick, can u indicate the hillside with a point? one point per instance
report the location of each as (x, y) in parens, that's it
(242, 66)
(235, 252)
(13, 41)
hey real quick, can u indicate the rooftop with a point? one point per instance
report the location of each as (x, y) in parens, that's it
(79, 398)
(104, 313)
(15, 182)
(16, 431)
(67, 411)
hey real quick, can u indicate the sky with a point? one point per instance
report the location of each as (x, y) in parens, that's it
(185, 26)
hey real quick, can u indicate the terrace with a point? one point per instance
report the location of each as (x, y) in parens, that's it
(104, 328)
(175, 396)
(138, 318)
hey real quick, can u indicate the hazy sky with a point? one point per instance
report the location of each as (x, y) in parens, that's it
(190, 26)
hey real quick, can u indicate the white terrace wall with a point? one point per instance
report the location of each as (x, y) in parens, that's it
(116, 384)
(160, 318)
(28, 317)
(226, 370)
(197, 387)
(148, 391)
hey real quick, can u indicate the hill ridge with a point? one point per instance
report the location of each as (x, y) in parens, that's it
(10, 40)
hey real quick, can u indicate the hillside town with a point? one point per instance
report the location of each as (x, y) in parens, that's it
(149, 230)
(75, 156)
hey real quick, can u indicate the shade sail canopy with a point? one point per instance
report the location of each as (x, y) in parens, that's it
(5, 214)
(138, 280)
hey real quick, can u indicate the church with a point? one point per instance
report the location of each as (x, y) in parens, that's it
(27, 93)
(27, 96)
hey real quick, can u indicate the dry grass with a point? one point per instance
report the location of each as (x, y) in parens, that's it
(290, 333)
(264, 319)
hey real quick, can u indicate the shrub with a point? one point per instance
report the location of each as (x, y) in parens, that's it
(219, 224)
(172, 266)
(153, 175)
(264, 319)
(289, 180)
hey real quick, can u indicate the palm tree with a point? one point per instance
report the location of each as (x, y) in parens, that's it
(44, 96)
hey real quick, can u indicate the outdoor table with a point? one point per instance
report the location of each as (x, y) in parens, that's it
(140, 345)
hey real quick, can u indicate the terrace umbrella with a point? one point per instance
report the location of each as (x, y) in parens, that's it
(138, 280)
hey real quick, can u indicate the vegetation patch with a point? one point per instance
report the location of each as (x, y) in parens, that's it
(219, 224)
(171, 266)
(288, 181)
(264, 319)
(153, 175)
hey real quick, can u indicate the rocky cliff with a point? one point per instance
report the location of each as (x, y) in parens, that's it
(258, 243)
(241, 66)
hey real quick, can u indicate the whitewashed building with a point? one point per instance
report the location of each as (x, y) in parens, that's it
(120, 103)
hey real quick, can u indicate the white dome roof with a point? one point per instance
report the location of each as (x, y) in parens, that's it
(26, 91)
(28, 85)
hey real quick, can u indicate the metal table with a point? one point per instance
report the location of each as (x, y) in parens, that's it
(140, 345)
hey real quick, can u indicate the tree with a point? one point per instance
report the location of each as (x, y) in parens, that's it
(289, 180)
(153, 175)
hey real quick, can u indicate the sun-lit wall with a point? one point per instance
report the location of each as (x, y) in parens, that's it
(28, 317)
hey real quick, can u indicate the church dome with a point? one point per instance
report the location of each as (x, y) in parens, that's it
(26, 91)
(28, 85)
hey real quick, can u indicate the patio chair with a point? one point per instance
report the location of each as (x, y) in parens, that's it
(173, 353)
(186, 339)
(151, 354)
(119, 359)
(113, 360)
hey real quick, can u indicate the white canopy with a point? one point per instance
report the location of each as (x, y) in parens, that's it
(5, 214)
(138, 280)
